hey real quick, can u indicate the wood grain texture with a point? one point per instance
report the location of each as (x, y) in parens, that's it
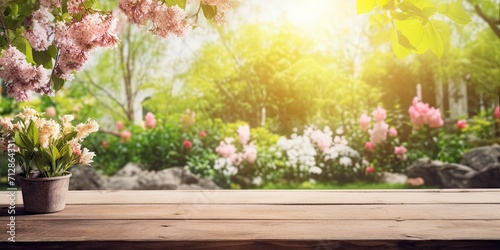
(459, 196)
(248, 230)
(252, 219)
(268, 212)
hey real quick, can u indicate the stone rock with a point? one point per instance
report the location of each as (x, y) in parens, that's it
(133, 177)
(85, 177)
(483, 171)
(130, 169)
(394, 178)
(482, 157)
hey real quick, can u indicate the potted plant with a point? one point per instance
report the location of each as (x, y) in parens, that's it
(45, 150)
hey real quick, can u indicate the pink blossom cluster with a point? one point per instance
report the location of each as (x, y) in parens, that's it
(76, 6)
(150, 121)
(78, 38)
(421, 114)
(400, 152)
(227, 149)
(40, 29)
(21, 77)
(322, 139)
(50, 4)
(222, 6)
(379, 131)
(167, 21)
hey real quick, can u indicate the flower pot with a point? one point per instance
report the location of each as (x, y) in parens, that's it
(44, 195)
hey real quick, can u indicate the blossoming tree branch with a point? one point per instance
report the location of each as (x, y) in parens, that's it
(45, 42)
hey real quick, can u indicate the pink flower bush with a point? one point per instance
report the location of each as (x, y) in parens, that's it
(393, 132)
(497, 112)
(226, 148)
(370, 169)
(322, 139)
(421, 114)
(125, 135)
(150, 120)
(203, 134)
(369, 146)
(244, 134)
(229, 152)
(401, 150)
(250, 153)
(379, 114)
(461, 124)
(364, 122)
(379, 132)
(119, 125)
(187, 144)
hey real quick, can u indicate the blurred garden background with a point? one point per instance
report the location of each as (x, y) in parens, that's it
(288, 94)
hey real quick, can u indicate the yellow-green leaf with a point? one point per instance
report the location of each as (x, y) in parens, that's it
(364, 6)
(383, 2)
(399, 50)
(421, 4)
(435, 41)
(379, 21)
(455, 12)
(414, 30)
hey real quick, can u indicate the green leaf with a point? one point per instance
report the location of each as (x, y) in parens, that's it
(180, 3)
(414, 30)
(421, 4)
(435, 41)
(455, 12)
(399, 50)
(57, 82)
(19, 141)
(33, 133)
(364, 6)
(43, 57)
(209, 11)
(54, 152)
(24, 47)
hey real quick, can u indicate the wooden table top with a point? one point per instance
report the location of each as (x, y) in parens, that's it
(260, 219)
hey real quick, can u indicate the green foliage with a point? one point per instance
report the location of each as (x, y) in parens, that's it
(268, 74)
(409, 24)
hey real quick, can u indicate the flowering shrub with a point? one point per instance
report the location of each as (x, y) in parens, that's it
(383, 150)
(318, 155)
(45, 42)
(45, 145)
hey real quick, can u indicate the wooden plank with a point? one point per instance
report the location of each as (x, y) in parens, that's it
(254, 230)
(269, 212)
(281, 197)
(252, 245)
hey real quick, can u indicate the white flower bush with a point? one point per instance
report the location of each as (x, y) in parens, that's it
(316, 153)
